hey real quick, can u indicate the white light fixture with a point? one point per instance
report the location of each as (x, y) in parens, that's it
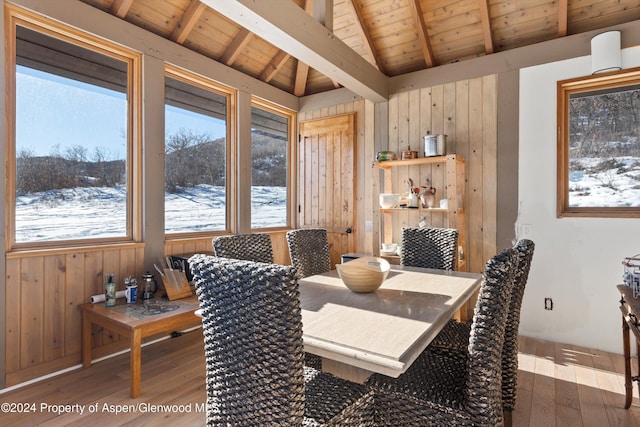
(605, 52)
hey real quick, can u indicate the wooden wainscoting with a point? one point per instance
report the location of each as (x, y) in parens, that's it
(43, 290)
(203, 245)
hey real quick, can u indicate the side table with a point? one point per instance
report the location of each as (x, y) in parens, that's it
(630, 308)
(137, 321)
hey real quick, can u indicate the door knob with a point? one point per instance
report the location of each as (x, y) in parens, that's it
(349, 230)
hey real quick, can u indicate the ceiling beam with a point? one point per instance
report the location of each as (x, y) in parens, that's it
(288, 27)
(302, 74)
(239, 42)
(423, 36)
(302, 69)
(120, 8)
(563, 17)
(274, 66)
(486, 26)
(358, 16)
(187, 21)
(322, 11)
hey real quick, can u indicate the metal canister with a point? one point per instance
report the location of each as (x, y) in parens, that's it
(430, 143)
(435, 145)
(441, 144)
(149, 286)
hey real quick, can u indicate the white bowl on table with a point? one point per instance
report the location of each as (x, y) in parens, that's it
(364, 274)
(389, 248)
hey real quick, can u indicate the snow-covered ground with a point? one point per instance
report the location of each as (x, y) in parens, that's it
(601, 182)
(96, 212)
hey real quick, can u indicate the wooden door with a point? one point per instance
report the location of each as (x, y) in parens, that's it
(327, 181)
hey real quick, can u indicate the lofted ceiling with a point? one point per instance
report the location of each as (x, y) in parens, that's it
(306, 47)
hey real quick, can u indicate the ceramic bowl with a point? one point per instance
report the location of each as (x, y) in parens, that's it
(389, 248)
(389, 200)
(364, 274)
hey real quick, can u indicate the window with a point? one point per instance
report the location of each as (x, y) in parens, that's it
(599, 145)
(196, 152)
(72, 143)
(271, 133)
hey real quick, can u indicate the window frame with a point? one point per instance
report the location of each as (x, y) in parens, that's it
(16, 16)
(566, 88)
(291, 161)
(191, 78)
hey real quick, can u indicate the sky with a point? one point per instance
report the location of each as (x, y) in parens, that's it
(95, 118)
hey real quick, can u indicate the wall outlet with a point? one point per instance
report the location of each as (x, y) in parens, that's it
(525, 231)
(548, 304)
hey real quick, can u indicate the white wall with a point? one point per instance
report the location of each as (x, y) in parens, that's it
(577, 261)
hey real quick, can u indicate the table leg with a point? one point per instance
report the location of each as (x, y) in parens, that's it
(86, 341)
(628, 382)
(345, 371)
(136, 342)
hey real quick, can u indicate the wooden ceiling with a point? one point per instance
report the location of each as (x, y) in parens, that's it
(306, 47)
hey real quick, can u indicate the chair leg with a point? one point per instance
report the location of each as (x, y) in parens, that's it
(506, 416)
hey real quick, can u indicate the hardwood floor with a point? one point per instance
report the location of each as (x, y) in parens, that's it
(558, 385)
(564, 385)
(173, 373)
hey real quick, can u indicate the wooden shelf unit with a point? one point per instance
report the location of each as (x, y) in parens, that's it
(447, 175)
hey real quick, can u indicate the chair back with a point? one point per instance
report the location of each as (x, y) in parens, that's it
(525, 250)
(250, 247)
(484, 364)
(429, 247)
(252, 328)
(309, 251)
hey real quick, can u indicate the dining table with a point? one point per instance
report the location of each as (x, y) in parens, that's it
(359, 334)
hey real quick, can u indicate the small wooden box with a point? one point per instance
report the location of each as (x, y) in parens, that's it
(176, 284)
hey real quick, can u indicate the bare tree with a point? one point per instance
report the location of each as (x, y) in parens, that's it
(107, 168)
(76, 153)
(183, 166)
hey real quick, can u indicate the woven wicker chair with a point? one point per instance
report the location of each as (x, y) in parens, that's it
(253, 247)
(525, 249)
(252, 328)
(309, 250)
(455, 335)
(429, 247)
(250, 247)
(454, 388)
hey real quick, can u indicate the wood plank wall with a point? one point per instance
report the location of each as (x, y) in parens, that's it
(42, 317)
(466, 111)
(203, 245)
